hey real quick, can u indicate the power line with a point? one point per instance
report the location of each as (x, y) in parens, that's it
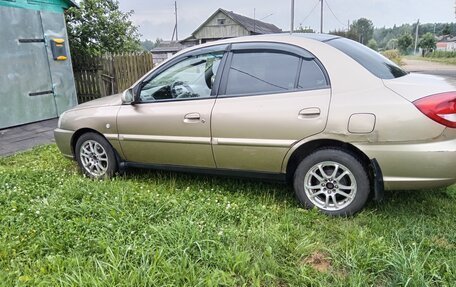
(333, 13)
(311, 11)
(266, 16)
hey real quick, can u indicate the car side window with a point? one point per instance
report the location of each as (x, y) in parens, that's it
(261, 72)
(311, 77)
(190, 78)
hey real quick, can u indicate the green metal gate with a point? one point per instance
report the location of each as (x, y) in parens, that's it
(33, 86)
(26, 82)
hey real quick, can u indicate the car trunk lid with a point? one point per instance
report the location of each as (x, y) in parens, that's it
(416, 86)
(433, 96)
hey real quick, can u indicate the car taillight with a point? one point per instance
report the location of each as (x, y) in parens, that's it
(440, 107)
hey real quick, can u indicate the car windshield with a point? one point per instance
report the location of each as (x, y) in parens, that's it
(375, 63)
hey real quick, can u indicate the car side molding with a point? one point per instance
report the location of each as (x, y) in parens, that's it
(264, 176)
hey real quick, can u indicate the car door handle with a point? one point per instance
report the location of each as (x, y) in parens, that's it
(309, 113)
(192, 118)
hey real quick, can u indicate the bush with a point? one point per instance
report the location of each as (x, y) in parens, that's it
(393, 55)
(442, 54)
(372, 44)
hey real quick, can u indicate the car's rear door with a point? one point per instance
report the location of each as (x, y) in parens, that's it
(170, 124)
(271, 95)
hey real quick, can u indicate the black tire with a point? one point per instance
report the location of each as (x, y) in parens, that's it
(350, 192)
(107, 164)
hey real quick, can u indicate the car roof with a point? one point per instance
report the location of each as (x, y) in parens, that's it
(295, 39)
(278, 37)
(317, 37)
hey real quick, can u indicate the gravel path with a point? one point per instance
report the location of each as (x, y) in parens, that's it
(413, 65)
(433, 68)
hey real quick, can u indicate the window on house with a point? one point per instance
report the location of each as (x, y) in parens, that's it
(220, 21)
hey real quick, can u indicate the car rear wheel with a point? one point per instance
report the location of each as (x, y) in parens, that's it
(332, 180)
(95, 156)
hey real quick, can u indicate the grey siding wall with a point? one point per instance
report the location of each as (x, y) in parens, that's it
(212, 30)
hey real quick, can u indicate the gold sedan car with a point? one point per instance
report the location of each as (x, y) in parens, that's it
(337, 119)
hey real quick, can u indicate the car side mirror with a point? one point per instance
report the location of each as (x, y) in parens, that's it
(127, 97)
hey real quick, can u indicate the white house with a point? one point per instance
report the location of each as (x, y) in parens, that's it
(446, 43)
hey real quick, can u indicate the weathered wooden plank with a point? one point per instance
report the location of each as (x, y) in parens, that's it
(109, 74)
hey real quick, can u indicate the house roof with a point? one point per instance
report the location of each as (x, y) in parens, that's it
(42, 5)
(251, 25)
(167, 46)
(446, 38)
(72, 3)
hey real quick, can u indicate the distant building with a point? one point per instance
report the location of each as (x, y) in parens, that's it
(222, 24)
(165, 50)
(227, 24)
(446, 43)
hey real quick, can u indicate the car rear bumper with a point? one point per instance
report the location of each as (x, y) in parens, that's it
(63, 141)
(415, 165)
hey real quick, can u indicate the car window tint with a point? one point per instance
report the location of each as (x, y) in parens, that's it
(261, 72)
(311, 76)
(190, 78)
(368, 58)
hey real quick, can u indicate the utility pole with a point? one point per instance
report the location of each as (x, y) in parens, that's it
(175, 25)
(254, 20)
(175, 12)
(416, 34)
(292, 18)
(321, 20)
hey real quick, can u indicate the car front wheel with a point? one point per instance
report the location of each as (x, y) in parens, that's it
(332, 180)
(95, 156)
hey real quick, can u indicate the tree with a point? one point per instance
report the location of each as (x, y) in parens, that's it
(98, 27)
(446, 30)
(372, 44)
(392, 44)
(404, 42)
(148, 45)
(340, 33)
(302, 29)
(361, 30)
(427, 43)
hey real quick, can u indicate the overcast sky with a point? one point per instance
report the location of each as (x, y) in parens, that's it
(156, 18)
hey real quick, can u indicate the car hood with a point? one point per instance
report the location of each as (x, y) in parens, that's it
(416, 86)
(114, 100)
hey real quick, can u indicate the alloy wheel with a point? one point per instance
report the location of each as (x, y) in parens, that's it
(94, 158)
(330, 186)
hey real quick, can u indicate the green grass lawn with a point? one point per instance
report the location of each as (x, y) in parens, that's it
(449, 61)
(150, 228)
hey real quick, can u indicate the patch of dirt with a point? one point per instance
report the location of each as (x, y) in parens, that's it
(442, 242)
(318, 261)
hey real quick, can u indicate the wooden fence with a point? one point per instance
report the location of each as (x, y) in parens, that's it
(97, 77)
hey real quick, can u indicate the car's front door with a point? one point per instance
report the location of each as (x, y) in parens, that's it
(170, 123)
(271, 96)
